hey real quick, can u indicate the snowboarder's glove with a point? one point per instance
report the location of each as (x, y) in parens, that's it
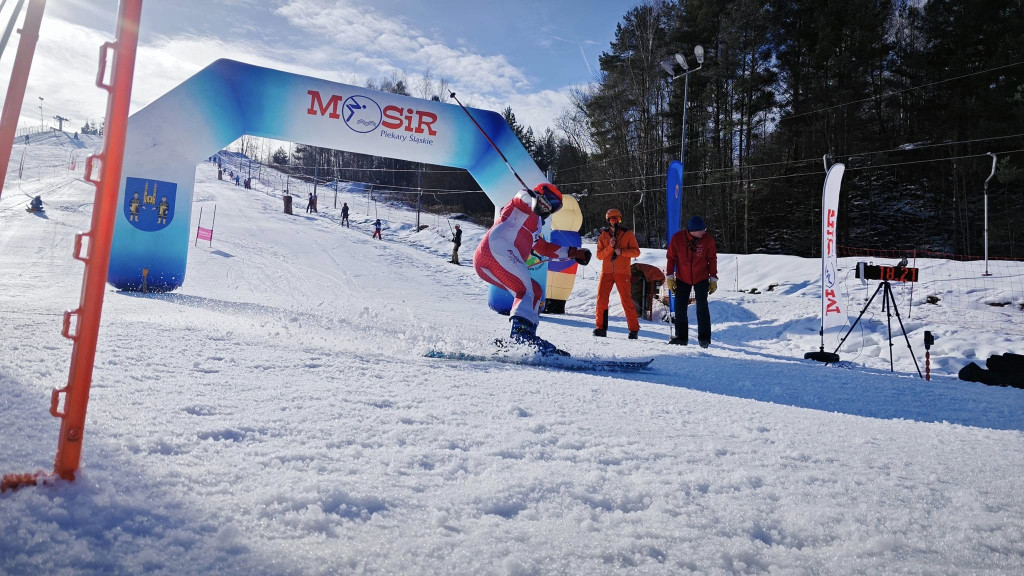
(712, 286)
(580, 255)
(670, 281)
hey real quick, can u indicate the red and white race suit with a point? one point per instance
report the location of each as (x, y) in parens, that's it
(500, 259)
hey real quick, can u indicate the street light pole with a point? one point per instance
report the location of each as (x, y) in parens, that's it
(986, 210)
(42, 126)
(682, 133)
(698, 54)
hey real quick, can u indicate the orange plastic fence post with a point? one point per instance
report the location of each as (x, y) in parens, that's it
(100, 235)
(19, 79)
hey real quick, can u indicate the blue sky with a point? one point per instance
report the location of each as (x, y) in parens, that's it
(524, 54)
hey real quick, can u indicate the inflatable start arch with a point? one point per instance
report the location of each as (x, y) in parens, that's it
(228, 99)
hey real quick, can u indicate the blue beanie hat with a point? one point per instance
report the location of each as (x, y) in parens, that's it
(696, 223)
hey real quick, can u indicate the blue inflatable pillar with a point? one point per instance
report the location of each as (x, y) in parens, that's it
(673, 209)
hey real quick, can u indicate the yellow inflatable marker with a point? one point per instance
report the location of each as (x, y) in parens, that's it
(565, 226)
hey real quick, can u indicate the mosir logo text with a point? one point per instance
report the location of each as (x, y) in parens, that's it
(362, 114)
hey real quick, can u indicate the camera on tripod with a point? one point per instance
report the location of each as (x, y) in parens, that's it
(886, 274)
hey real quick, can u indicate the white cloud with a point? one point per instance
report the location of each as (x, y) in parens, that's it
(66, 60)
(65, 63)
(348, 28)
(171, 60)
(63, 73)
(537, 110)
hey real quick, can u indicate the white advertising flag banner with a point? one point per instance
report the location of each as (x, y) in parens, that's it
(832, 314)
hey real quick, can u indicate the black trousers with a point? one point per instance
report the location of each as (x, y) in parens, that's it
(700, 291)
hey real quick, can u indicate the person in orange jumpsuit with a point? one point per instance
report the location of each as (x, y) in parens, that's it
(616, 248)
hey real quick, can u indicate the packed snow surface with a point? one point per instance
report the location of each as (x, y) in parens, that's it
(276, 415)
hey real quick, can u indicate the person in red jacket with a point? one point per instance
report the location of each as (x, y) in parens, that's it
(616, 246)
(500, 259)
(692, 263)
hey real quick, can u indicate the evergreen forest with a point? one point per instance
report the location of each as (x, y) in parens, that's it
(911, 95)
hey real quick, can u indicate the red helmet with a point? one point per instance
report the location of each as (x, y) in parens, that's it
(613, 213)
(547, 199)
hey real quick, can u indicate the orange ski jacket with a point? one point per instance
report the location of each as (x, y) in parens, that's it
(625, 241)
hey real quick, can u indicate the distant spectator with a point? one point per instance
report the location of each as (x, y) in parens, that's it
(26, 138)
(457, 240)
(76, 135)
(315, 200)
(376, 230)
(220, 173)
(344, 215)
(309, 204)
(238, 180)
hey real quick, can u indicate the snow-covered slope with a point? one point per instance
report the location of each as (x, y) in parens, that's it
(276, 416)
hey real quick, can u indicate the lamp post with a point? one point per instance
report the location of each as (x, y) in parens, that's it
(698, 54)
(986, 210)
(42, 126)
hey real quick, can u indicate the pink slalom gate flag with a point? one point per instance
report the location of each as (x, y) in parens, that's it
(205, 233)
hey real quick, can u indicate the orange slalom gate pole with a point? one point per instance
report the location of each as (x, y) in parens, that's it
(19, 80)
(97, 256)
(97, 262)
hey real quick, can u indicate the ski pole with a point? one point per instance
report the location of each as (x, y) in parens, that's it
(493, 145)
(671, 318)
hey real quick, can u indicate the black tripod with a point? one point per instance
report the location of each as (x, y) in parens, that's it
(888, 306)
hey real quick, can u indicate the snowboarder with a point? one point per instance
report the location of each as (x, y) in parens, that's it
(500, 259)
(457, 240)
(376, 230)
(693, 256)
(616, 247)
(344, 215)
(36, 205)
